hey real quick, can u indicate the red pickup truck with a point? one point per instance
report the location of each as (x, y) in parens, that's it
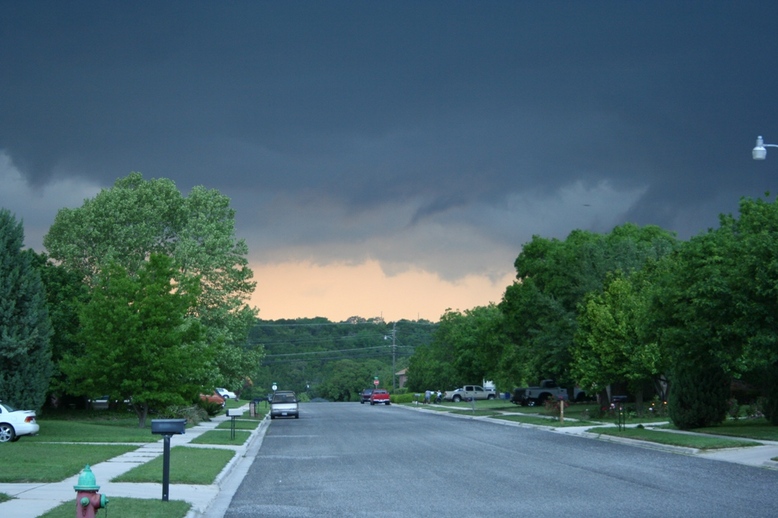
(380, 396)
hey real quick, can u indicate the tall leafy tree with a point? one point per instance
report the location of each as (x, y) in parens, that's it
(553, 278)
(615, 341)
(136, 218)
(25, 327)
(140, 341)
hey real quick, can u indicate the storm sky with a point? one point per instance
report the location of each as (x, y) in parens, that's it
(391, 158)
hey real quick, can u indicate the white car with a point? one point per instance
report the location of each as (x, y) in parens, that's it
(226, 394)
(15, 423)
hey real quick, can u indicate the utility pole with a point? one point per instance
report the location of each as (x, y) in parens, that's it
(394, 355)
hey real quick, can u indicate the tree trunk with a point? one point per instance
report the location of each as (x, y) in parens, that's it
(142, 411)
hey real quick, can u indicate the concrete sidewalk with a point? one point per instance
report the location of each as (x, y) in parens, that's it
(33, 499)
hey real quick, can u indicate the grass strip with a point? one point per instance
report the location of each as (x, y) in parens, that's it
(699, 442)
(240, 424)
(187, 466)
(30, 462)
(119, 507)
(759, 429)
(5, 498)
(542, 421)
(222, 437)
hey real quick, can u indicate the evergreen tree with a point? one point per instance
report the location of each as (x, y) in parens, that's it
(25, 328)
(698, 394)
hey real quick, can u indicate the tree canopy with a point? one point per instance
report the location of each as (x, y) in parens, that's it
(25, 327)
(137, 218)
(140, 342)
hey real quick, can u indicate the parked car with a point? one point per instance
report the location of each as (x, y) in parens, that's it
(380, 396)
(468, 393)
(213, 398)
(284, 404)
(15, 423)
(364, 397)
(226, 394)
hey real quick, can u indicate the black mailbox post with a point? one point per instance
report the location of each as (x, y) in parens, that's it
(166, 428)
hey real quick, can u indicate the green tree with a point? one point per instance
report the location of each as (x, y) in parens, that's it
(136, 218)
(471, 341)
(347, 378)
(614, 341)
(140, 342)
(25, 327)
(553, 277)
(65, 293)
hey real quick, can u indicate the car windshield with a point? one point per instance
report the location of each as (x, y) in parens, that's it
(283, 398)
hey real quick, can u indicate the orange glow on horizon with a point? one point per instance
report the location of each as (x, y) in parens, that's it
(340, 291)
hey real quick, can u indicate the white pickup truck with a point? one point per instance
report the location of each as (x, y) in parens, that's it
(468, 393)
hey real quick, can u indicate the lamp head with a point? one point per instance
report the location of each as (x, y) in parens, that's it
(759, 152)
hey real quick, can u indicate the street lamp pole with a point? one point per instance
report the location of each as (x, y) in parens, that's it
(760, 150)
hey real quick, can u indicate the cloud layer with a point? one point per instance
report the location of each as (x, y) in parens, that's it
(431, 137)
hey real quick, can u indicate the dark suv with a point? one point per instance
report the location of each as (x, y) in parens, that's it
(365, 396)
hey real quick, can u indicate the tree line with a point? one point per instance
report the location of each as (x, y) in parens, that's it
(634, 308)
(336, 360)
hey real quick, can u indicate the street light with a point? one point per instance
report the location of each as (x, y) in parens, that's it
(760, 150)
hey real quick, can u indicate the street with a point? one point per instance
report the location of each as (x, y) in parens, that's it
(347, 459)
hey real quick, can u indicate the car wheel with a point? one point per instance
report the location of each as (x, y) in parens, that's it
(457, 399)
(362, 402)
(297, 416)
(272, 417)
(532, 402)
(372, 403)
(490, 396)
(7, 432)
(388, 403)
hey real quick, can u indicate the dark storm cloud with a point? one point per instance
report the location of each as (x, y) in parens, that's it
(448, 105)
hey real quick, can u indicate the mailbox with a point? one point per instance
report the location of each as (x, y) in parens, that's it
(168, 426)
(234, 412)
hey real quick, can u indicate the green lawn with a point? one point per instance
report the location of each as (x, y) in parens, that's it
(240, 424)
(222, 437)
(5, 498)
(700, 442)
(26, 461)
(96, 430)
(129, 508)
(187, 466)
(758, 429)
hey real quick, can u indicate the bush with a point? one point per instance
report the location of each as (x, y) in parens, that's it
(211, 409)
(402, 398)
(194, 414)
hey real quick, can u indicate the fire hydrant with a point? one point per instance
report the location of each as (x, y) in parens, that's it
(88, 500)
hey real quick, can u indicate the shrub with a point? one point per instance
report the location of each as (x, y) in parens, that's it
(402, 398)
(211, 409)
(194, 414)
(698, 395)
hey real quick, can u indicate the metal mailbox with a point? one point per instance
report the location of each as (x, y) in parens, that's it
(168, 426)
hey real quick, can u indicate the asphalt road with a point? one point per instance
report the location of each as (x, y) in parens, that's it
(347, 459)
